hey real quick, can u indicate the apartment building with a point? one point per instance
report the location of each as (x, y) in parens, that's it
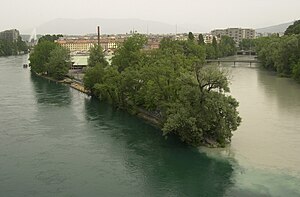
(84, 44)
(208, 38)
(10, 35)
(77, 45)
(238, 34)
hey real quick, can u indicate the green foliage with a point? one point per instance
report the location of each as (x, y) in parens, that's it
(247, 44)
(129, 54)
(211, 52)
(293, 29)
(8, 48)
(40, 56)
(201, 40)
(203, 113)
(226, 47)
(173, 84)
(93, 75)
(214, 42)
(50, 38)
(96, 56)
(59, 63)
(280, 54)
(50, 59)
(191, 36)
(296, 72)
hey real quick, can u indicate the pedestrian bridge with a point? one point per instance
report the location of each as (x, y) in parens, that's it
(219, 61)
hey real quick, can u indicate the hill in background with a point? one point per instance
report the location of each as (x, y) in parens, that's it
(108, 26)
(122, 26)
(275, 28)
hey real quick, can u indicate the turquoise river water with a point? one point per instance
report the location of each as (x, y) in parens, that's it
(56, 141)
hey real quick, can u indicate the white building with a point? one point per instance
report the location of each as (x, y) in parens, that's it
(238, 34)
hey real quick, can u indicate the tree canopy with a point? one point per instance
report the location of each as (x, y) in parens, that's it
(96, 56)
(280, 54)
(50, 38)
(8, 48)
(129, 54)
(174, 85)
(191, 36)
(59, 63)
(51, 59)
(293, 29)
(200, 39)
(247, 44)
(225, 47)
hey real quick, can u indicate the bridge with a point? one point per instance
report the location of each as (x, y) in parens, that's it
(246, 52)
(219, 61)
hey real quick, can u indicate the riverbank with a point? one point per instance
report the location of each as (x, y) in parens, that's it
(68, 81)
(149, 117)
(141, 113)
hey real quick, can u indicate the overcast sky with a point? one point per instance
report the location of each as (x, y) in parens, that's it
(27, 14)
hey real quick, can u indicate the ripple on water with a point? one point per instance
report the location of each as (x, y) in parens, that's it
(254, 180)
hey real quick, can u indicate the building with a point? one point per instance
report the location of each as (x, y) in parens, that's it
(238, 34)
(10, 35)
(77, 45)
(218, 32)
(208, 38)
(84, 44)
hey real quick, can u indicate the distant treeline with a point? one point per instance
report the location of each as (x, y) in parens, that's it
(8, 48)
(50, 38)
(281, 54)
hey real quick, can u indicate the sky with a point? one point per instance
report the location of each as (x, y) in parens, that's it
(209, 14)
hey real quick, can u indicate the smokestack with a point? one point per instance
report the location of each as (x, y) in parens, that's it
(98, 36)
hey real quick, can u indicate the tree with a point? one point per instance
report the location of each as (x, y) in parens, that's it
(296, 72)
(201, 40)
(214, 42)
(210, 52)
(129, 54)
(59, 63)
(93, 75)
(215, 46)
(109, 89)
(21, 45)
(40, 56)
(191, 36)
(50, 38)
(288, 55)
(8, 48)
(280, 54)
(172, 83)
(203, 114)
(246, 44)
(293, 29)
(96, 56)
(227, 46)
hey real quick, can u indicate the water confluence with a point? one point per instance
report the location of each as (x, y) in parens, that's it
(56, 141)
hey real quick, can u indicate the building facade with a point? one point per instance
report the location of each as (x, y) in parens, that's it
(84, 44)
(10, 35)
(77, 45)
(237, 34)
(208, 38)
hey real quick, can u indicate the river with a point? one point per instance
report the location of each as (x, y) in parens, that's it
(56, 141)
